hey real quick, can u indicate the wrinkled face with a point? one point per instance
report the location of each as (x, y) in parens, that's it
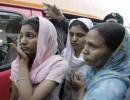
(112, 20)
(95, 51)
(77, 37)
(28, 40)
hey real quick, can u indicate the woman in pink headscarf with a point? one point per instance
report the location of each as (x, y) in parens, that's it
(37, 71)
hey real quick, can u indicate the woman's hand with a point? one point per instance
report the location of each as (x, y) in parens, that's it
(22, 56)
(77, 81)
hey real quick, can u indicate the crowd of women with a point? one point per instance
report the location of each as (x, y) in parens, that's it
(93, 65)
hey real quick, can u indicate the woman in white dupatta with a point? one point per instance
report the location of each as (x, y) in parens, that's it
(77, 31)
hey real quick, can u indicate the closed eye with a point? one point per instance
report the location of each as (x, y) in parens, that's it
(92, 45)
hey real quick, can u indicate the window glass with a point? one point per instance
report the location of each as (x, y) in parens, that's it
(10, 24)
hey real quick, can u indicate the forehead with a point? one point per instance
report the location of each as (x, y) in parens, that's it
(76, 29)
(26, 28)
(93, 36)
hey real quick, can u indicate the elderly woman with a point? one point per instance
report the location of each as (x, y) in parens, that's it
(107, 52)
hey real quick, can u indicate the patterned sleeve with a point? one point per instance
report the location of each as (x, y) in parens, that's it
(109, 89)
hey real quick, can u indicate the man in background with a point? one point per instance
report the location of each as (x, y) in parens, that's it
(114, 17)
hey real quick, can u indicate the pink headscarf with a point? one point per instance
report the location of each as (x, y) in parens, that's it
(45, 56)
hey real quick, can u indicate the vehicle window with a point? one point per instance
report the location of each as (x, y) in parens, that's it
(10, 24)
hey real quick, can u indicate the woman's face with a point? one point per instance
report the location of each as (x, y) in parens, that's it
(77, 37)
(95, 51)
(28, 40)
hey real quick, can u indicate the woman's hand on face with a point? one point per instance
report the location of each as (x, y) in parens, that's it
(77, 81)
(22, 56)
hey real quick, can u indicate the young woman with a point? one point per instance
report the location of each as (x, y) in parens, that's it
(37, 71)
(77, 31)
(107, 51)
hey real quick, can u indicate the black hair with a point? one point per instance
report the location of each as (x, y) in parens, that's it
(116, 16)
(34, 22)
(113, 34)
(81, 24)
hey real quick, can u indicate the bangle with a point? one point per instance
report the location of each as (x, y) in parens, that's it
(20, 79)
